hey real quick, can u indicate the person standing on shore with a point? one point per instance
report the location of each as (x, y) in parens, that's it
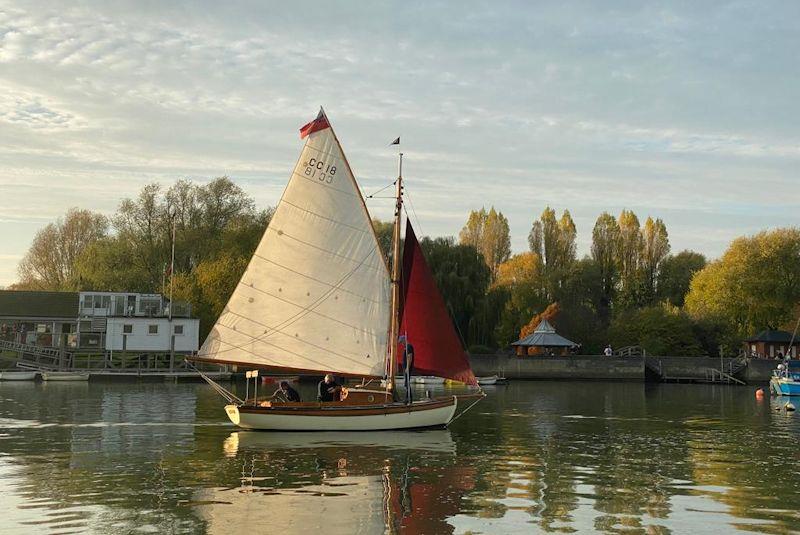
(608, 351)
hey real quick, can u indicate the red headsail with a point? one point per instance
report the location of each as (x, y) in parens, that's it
(426, 322)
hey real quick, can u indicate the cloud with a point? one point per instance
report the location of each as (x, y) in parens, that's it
(685, 112)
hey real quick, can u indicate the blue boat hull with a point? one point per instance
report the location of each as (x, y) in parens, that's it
(785, 387)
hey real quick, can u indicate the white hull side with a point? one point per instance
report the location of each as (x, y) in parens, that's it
(438, 416)
(65, 376)
(488, 380)
(17, 376)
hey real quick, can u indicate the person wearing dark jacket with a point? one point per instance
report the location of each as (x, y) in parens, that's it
(408, 367)
(328, 389)
(285, 391)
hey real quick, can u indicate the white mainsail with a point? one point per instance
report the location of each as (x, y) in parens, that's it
(315, 295)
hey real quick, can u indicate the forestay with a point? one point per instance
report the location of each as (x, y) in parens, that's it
(315, 295)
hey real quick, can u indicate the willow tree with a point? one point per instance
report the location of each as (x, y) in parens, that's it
(489, 234)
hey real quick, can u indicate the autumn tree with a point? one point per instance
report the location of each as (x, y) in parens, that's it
(553, 240)
(754, 286)
(522, 279)
(489, 234)
(49, 264)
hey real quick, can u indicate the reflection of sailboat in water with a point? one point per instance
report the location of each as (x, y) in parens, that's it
(346, 483)
(318, 297)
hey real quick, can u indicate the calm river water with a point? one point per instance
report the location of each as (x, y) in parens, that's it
(532, 457)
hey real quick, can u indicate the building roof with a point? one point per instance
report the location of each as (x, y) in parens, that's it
(38, 304)
(780, 337)
(544, 336)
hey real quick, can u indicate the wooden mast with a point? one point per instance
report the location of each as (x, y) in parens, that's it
(396, 273)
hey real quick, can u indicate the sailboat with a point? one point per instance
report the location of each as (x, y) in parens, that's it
(318, 297)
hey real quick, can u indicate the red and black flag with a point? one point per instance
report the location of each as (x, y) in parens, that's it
(320, 123)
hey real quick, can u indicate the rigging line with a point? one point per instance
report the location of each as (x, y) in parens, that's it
(349, 259)
(314, 304)
(411, 203)
(328, 186)
(462, 413)
(229, 396)
(259, 338)
(382, 189)
(265, 259)
(305, 310)
(324, 217)
(261, 360)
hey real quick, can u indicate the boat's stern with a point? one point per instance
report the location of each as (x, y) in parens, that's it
(233, 413)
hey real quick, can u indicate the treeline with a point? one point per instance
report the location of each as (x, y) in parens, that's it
(630, 290)
(217, 228)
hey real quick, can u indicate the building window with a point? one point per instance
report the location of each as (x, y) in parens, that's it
(178, 329)
(127, 328)
(152, 329)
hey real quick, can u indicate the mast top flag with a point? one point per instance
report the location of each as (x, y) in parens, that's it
(320, 123)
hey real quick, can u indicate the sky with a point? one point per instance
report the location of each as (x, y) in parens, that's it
(685, 111)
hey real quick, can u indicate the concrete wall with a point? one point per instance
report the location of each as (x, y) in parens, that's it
(599, 368)
(577, 367)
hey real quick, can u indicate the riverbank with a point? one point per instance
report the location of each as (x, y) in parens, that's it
(634, 368)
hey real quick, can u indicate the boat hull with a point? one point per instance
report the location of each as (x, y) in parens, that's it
(17, 376)
(64, 376)
(785, 387)
(436, 413)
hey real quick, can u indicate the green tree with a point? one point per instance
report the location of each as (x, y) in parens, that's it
(755, 285)
(660, 330)
(605, 250)
(49, 263)
(553, 240)
(675, 275)
(629, 259)
(655, 248)
(488, 232)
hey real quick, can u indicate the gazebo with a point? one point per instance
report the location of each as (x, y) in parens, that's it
(543, 341)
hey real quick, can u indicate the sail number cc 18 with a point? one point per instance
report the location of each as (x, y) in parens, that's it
(326, 172)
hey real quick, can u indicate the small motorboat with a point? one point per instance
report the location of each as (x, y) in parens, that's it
(784, 381)
(492, 380)
(427, 380)
(65, 376)
(17, 376)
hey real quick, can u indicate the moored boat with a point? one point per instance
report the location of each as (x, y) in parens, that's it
(427, 380)
(784, 381)
(17, 376)
(65, 376)
(318, 297)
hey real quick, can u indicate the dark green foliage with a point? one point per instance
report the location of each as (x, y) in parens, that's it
(462, 276)
(676, 273)
(660, 330)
